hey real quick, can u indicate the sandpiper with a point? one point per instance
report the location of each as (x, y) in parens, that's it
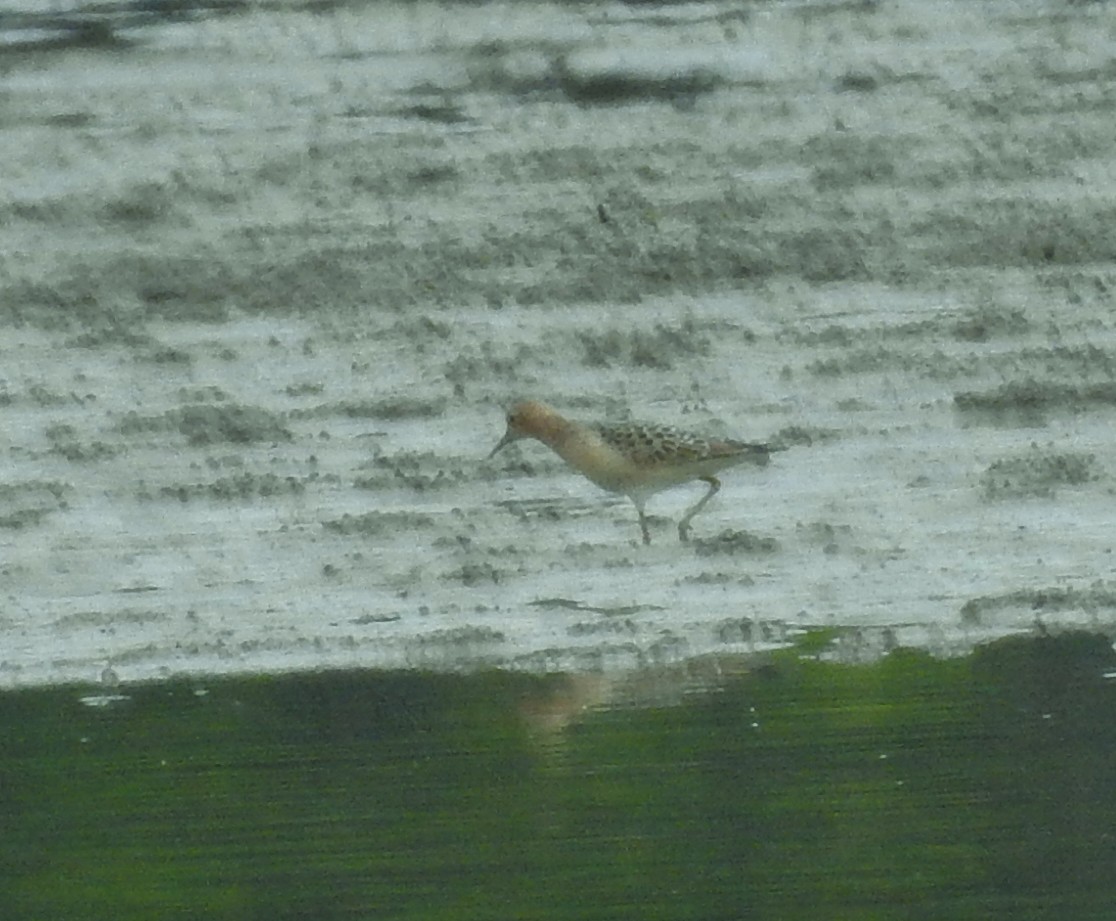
(634, 460)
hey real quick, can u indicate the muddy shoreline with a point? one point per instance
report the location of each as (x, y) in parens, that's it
(269, 277)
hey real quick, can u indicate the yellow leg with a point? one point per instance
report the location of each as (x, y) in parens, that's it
(684, 524)
(643, 522)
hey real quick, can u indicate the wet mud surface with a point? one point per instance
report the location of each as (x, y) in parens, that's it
(270, 276)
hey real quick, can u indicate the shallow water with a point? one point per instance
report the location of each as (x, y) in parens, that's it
(967, 788)
(269, 275)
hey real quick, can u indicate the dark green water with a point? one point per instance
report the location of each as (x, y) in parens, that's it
(973, 788)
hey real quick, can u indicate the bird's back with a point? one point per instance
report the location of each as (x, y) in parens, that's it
(668, 455)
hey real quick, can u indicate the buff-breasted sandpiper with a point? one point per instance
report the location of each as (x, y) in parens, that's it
(634, 460)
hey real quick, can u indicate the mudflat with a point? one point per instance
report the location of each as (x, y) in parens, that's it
(271, 274)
